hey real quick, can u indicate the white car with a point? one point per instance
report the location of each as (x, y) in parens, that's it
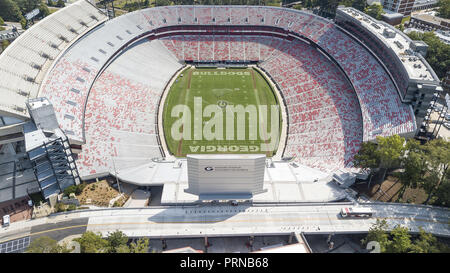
(447, 125)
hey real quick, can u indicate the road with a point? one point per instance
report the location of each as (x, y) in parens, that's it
(219, 220)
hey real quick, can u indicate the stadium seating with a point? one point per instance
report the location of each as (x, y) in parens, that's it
(329, 116)
(27, 60)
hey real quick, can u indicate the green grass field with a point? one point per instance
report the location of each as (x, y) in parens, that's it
(218, 89)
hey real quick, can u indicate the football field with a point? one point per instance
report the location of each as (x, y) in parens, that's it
(203, 113)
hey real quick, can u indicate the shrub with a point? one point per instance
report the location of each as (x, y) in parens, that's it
(60, 207)
(72, 207)
(79, 188)
(69, 190)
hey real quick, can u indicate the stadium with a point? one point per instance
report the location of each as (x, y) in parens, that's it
(98, 96)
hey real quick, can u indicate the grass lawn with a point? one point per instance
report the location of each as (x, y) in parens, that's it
(218, 88)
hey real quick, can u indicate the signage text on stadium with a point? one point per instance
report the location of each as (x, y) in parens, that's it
(221, 73)
(223, 148)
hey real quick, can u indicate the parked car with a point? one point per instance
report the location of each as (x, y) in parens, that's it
(447, 125)
(438, 108)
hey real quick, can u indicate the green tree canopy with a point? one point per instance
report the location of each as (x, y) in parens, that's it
(438, 53)
(91, 242)
(375, 10)
(390, 151)
(2, 23)
(46, 244)
(366, 157)
(401, 240)
(10, 11)
(43, 9)
(378, 233)
(415, 165)
(115, 240)
(60, 3)
(438, 160)
(444, 9)
(141, 246)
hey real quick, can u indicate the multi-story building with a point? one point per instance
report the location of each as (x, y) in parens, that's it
(429, 22)
(404, 7)
(402, 57)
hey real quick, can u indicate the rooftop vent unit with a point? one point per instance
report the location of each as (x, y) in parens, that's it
(83, 23)
(45, 55)
(53, 45)
(22, 93)
(398, 44)
(63, 38)
(71, 29)
(36, 66)
(389, 33)
(93, 17)
(28, 78)
(20, 109)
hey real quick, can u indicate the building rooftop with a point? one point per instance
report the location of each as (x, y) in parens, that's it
(430, 18)
(415, 66)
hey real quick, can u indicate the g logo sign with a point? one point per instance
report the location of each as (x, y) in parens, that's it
(208, 169)
(373, 247)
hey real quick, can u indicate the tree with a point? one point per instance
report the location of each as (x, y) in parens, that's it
(415, 165)
(375, 10)
(444, 9)
(10, 11)
(359, 4)
(2, 23)
(378, 233)
(115, 240)
(298, 7)
(162, 3)
(46, 244)
(366, 157)
(60, 4)
(5, 44)
(141, 246)
(401, 240)
(443, 194)
(438, 159)
(91, 242)
(390, 151)
(426, 243)
(43, 10)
